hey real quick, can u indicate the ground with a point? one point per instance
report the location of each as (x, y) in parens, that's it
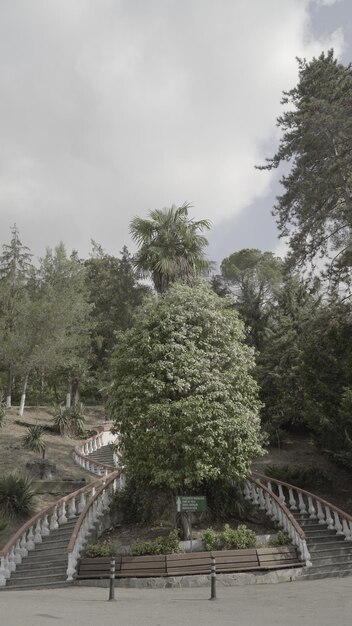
(296, 450)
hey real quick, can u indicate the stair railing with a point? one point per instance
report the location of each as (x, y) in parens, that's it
(263, 496)
(103, 438)
(308, 503)
(40, 525)
(95, 508)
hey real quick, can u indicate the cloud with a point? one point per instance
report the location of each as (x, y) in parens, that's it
(110, 109)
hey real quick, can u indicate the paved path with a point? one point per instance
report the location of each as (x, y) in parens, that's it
(312, 603)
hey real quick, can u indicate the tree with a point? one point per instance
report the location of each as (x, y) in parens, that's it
(315, 210)
(15, 269)
(281, 363)
(183, 398)
(114, 293)
(170, 246)
(253, 278)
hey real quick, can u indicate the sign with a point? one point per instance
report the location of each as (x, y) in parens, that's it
(191, 504)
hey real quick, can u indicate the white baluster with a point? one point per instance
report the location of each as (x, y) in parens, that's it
(30, 540)
(23, 546)
(246, 491)
(329, 520)
(311, 509)
(72, 508)
(321, 516)
(281, 494)
(94, 445)
(63, 518)
(38, 532)
(45, 527)
(305, 553)
(71, 569)
(302, 506)
(82, 502)
(337, 524)
(268, 507)
(3, 572)
(292, 501)
(346, 530)
(18, 555)
(11, 560)
(254, 495)
(54, 525)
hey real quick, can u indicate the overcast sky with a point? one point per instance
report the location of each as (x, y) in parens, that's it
(110, 108)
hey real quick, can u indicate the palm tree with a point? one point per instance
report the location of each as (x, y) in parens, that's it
(170, 246)
(33, 440)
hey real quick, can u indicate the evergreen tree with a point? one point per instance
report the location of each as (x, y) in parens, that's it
(315, 210)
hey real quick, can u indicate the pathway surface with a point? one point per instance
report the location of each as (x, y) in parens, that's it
(311, 603)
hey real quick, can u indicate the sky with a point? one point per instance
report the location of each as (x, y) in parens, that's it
(112, 108)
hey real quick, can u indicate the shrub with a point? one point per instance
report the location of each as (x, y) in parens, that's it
(210, 539)
(160, 545)
(69, 421)
(93, 550)
(33, 439)
(16, 495)
(3, 525)
(304, 477)
(229, 538)
(237, 539)
(281, 539)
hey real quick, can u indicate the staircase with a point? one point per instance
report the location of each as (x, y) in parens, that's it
(331, 555)
(44, 546)
(46, 565)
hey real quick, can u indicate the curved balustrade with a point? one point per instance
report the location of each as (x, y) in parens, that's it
(98, 504)
(103, 438)
(39, 526)
(312, 505)
(263, 496)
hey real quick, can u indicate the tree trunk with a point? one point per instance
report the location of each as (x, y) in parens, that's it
(23, 396)
(75, 392)
(68, 396)
(183, 524)
(9, 388)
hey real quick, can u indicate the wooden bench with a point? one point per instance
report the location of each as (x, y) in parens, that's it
(142, 566)
(276, 558)
(236, 560)
(190, 563)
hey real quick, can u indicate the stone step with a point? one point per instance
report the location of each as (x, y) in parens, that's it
(315, 539)
(36, 579)
(320, 575)
(319, 533)
(45, 570)
(332, 560)
(34, 557)
(30, 585)
(330, 549)
(30, 565)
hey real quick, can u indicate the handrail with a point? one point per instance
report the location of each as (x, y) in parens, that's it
(27, 525)
(80, 520)
(275, 507)
(284, 508)
(308, 494)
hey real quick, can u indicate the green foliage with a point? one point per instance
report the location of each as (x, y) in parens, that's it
(3, 525)
(183, 399)
(33, 439)
(103, 548)
(211, 540)
(170, 246)
(315, 207)
(229, 538)
(160, 545)
(253, 277)
(281, 539)
(16, 495)
(304, 477)
(69, 421)
(225, 501)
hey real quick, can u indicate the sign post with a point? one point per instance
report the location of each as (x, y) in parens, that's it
(191, 504)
